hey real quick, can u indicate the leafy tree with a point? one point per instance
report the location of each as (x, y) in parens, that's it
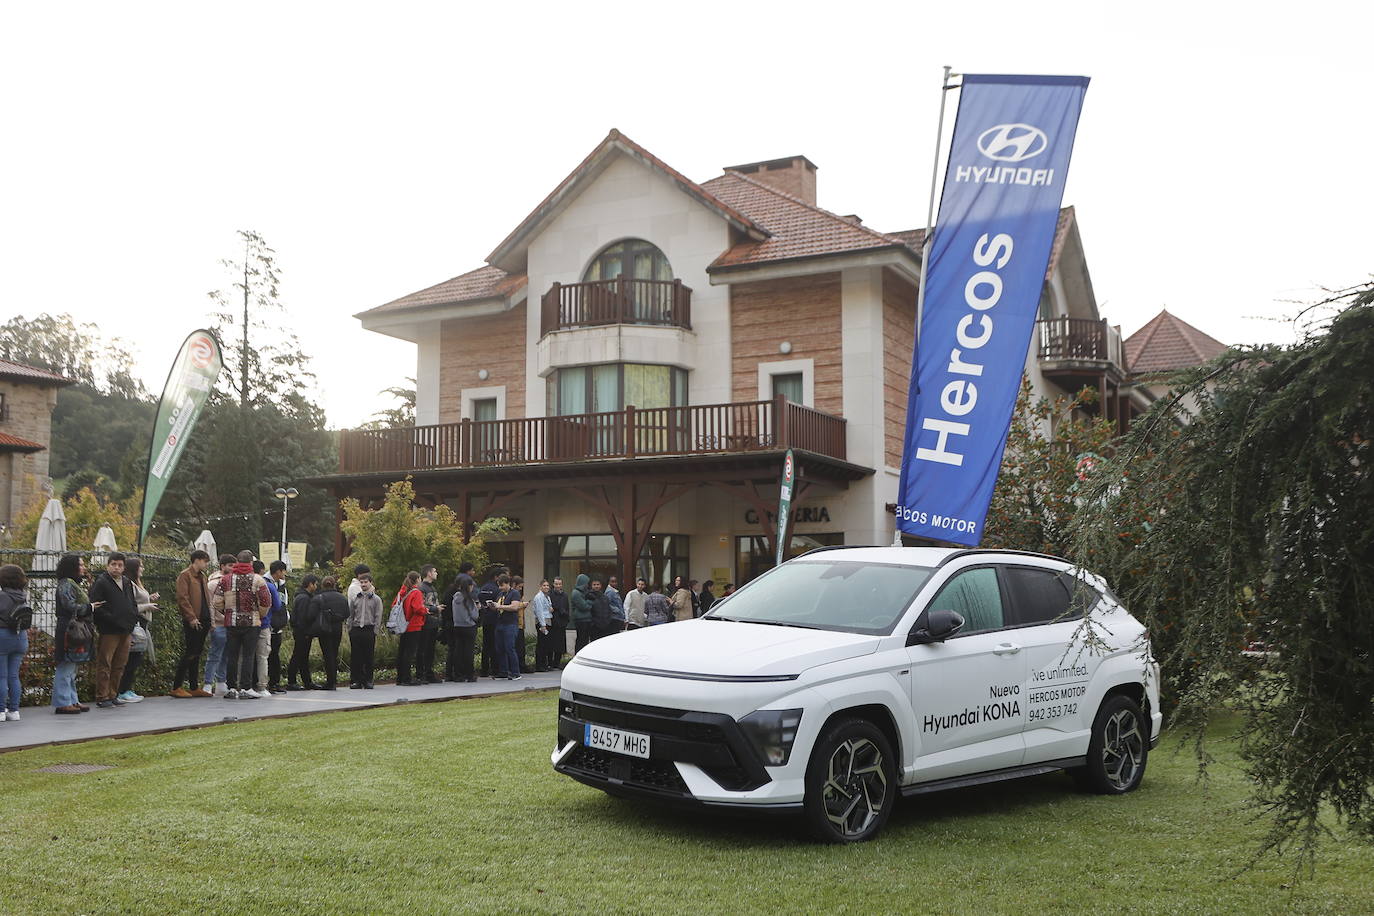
(403, 414)
(81, 352)
(1051, 449)
(86, 513)
(400, 537)
(1249, 523)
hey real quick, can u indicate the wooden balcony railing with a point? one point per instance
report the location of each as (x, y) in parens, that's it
(620, 301)
(1088, 339)
(749, 426)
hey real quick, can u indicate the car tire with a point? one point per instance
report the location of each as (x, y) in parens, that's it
(851, 783)
(1117, 750)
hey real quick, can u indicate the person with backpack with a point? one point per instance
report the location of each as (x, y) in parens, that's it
(141, 640)
(193, 601)
(412, 603)
(15, 619)
(364, 617)
(581, 601)
(240, 604)
(329, 610)
(464, 618)
(116, 613)
(302, 632)
(74, 635)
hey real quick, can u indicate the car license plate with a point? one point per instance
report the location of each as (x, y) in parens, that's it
(616, 741)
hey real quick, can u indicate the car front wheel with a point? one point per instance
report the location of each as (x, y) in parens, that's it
(851, 783)
(1117, 750)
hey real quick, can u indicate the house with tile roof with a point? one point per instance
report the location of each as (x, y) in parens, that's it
(27, 398)
(1165, 345)
(625, 372)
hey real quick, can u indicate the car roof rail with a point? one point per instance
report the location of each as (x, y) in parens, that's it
(976, 551)
(826, 547)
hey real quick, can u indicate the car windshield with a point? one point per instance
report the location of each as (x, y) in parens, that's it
(850, 597)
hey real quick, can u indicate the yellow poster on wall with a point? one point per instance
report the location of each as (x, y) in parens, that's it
(268, 551)
(295, 554)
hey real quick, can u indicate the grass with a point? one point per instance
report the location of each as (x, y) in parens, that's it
(449, 807)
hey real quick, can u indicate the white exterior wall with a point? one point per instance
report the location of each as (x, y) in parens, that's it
(427, 375)
(863, 517)
(628, 200)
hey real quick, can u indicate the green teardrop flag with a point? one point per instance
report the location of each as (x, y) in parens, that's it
(187, 390)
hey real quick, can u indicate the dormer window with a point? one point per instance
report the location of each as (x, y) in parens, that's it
(633, 258)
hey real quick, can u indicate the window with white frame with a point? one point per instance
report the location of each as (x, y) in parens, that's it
(794, 379)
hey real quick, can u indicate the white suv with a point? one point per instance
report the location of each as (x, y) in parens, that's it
(848, 675)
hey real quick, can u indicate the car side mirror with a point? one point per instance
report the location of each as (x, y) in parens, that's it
(940, 625)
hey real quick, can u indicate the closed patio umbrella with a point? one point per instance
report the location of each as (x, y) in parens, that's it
(104, 544)
(206, 541)
(51, 543)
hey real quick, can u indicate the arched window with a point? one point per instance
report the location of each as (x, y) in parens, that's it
(632, 258)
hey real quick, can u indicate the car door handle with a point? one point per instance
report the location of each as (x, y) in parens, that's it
(1006, 648)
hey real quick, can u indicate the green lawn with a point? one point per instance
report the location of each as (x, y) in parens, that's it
(446, 807)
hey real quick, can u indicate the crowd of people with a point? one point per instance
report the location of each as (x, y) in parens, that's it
(243, 611)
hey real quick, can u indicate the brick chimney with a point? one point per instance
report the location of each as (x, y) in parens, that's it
(795, 175)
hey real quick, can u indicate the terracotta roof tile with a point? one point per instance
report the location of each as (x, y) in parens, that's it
(11, 369)
(482, 283)
(615, 140)
(915, 238)
(10, 443)
(1168, 343)
(796, 229)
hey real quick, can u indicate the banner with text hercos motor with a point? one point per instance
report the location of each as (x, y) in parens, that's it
(183, 398)
(999, 210)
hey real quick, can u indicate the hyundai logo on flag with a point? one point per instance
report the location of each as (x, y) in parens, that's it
(1012, 142)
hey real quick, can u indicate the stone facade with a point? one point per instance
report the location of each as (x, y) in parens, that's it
(24, 476)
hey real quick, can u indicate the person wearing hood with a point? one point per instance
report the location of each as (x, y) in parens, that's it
(581, 600)
(240, 604)
(116, 612)
(464, 629)
(328, 611)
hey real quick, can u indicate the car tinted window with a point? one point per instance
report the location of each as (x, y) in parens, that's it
(974, 596)
(1039, 595)
(851, 597)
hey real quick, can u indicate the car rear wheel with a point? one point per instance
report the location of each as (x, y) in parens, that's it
(1117, 750)
(851, 783)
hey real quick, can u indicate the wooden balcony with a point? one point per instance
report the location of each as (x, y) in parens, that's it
(1079, 343)
(666, 303)
(749, 426)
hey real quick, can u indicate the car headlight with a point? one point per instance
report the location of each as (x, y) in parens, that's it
(772, 731)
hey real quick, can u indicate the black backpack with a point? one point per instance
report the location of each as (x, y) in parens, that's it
(15, 613)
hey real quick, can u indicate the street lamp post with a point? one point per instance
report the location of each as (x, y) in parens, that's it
(285, 495)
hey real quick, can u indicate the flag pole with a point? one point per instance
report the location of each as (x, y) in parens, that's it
(925, 242)
(930, 206)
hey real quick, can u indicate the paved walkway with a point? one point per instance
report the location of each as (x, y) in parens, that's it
(41, 726)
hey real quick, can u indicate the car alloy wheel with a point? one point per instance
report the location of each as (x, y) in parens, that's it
(1123, 749)
(851, 782)
(1117, 750)
(855, 786)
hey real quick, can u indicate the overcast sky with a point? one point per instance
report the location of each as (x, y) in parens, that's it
(1221, 167)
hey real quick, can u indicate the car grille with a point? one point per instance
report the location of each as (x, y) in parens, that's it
(711, 741)
(659, 775)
